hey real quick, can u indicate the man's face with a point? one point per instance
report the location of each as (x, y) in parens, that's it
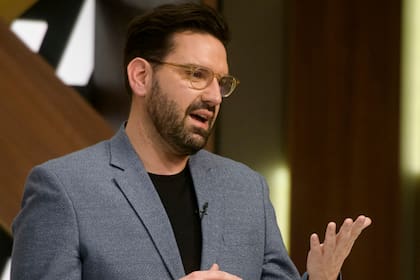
(182, 115)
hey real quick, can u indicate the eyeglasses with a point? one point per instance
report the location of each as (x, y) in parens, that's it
(201, 77)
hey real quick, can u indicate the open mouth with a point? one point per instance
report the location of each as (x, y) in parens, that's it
(200, 118)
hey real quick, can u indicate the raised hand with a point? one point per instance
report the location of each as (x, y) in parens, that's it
(325, 259)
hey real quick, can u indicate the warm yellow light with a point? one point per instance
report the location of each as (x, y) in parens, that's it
(11, 9)
(410, 80)
(279, 181)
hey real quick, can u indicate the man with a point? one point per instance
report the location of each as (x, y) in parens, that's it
(150, 203)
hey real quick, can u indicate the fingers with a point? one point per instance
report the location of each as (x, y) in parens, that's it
(316, 248)
(356, 227)
(214, 273)
(368, 222)
(220, 274)
(346, 228)
(363, 221)
(330, 237)
(328, 257)
(215, 266)
(314, 240)
(359, 225)
(349, 232)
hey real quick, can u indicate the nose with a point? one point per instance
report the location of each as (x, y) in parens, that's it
(211, 94)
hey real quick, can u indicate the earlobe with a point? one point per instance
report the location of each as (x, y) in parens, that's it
(138, 74)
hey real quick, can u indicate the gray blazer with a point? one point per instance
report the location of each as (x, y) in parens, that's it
(95, 214)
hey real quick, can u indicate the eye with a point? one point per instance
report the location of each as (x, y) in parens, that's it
(200, 73)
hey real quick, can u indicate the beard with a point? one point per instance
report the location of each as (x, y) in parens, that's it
(170, 122)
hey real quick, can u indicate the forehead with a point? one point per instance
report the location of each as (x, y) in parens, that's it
(199, 48)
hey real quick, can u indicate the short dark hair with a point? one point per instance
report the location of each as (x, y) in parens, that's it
(150, 35)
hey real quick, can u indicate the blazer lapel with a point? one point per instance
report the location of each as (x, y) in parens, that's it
(137, 187)
(207, 188)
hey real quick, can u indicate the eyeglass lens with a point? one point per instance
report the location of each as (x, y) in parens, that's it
(201, 78)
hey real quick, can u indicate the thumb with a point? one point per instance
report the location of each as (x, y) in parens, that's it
(215, 266)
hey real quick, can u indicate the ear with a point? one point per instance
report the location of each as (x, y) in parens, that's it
(139, 73)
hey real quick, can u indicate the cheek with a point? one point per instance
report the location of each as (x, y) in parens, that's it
(184, 102)
(177, 95)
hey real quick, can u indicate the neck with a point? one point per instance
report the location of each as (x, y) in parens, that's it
(153, 151)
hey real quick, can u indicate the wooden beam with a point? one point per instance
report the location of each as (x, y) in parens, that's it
(40, 118)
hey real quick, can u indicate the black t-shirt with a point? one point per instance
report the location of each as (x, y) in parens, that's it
(178, 197)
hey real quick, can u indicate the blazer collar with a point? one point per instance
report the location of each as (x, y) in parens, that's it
(136, 185)
(208, 190)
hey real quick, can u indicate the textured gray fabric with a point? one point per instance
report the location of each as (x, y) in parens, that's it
(95, 214)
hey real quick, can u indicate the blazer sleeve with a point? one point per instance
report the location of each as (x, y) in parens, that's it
(45, 231)
(277, 263)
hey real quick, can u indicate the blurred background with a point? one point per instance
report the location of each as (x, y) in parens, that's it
(328, 110)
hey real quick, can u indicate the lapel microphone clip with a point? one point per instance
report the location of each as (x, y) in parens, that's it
(203, 211)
